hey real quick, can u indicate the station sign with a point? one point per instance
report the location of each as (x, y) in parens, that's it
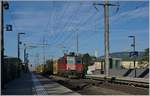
(135, 53)
(9, 27)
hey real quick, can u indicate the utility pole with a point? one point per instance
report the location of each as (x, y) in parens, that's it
(2, 34)
(37, 55)
(37, 61)
(4, 5)
(44, 44)
(106, 34)
(24, 53)
(2, 47)
(18, 39)
(25, 58)
(77, 43)
(18, 44)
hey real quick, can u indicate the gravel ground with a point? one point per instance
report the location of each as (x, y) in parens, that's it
(92, 87)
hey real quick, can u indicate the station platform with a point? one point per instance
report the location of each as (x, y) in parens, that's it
(141, 80)
(45, 86)
(34, 84)
(19, 86)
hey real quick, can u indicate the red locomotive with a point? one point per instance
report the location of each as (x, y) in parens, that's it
(70, 66)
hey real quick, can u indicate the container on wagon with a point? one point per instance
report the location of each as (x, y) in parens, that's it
(55, 67)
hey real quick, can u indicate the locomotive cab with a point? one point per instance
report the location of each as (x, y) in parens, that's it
(70, 66)
(74, 66)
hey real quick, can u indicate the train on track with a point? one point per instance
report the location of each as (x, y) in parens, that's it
(70, 65)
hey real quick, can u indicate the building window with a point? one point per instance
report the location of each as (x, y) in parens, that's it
(117, 64)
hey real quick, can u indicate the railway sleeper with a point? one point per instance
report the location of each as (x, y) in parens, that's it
(63, 81)
(113, 80)
(97, 83)
(79, 87)
(134, 84)
(139, 85)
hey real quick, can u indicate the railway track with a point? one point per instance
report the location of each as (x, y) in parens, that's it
(120, 81)
(101, 86)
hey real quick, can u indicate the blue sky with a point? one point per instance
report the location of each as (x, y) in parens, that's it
(58, 23)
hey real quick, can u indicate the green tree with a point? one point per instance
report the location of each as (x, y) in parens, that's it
(86, 59)
(146, 55)
(49, 66)
(145, 58)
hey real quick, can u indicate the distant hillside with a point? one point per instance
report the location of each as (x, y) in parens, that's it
(124, 55)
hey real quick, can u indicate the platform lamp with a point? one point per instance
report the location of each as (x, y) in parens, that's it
(18, 37)
(133, 45)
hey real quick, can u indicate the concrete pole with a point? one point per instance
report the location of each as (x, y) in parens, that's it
(2, 33)
(77, 43)
(106, 36)
(2, 46)
(24, 53)
(18, 38)
(43, 52)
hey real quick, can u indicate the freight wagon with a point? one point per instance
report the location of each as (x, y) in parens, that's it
(40, 68)
(55, 68)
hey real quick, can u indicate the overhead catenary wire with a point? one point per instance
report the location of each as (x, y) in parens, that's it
(65, 26)
(63, 14)
(81, 23)
(65, 38)
(69, 35)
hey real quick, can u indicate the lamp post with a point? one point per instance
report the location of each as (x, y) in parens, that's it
(133, 45)
(18, 45)
(4, 6)
(26, 55)
(18, 37)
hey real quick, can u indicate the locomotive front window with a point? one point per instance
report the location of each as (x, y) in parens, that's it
(70, 60)
(78, 61)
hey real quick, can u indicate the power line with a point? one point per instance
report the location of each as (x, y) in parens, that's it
(79, 23)
(63, 14)
(83, 23)
(65, 26)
